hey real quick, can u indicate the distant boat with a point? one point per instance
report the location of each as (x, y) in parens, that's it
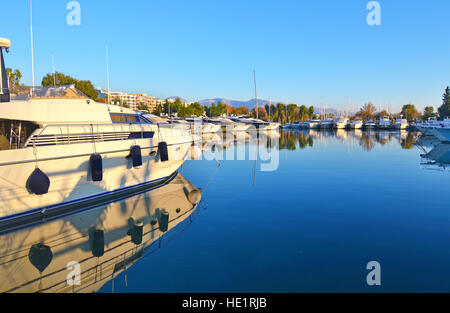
(401, 123)
(206, 127)
(313, 124)
(341, 123)
(370, 124)
(384, 123)
(326, 124)
(356, 124)
(296, 125)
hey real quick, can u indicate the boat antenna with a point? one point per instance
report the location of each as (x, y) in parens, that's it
(256, 94)
(107, 77)
(32, 52)
(270, 103)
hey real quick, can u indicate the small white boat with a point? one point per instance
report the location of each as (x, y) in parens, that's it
(296, 125)
(326, 124)
(401, 123)
(384, 123)
(356, 124)
(205, 127)
(273, 126)
(313, 124)
(370, 124)
(341, 123)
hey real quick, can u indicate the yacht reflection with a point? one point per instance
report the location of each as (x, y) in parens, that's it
(366, 139)
(367, 142)
(104, 241)
(437, 158)
(407, 140)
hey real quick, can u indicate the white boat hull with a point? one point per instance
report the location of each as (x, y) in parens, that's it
(68, 169)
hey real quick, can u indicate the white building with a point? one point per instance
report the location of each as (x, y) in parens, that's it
(131, 99)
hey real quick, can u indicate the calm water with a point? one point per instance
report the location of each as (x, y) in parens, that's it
(335, 202)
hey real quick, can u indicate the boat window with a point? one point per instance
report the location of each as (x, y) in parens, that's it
(119, 118)
(143, 120)
(14, 134)
(133, 119)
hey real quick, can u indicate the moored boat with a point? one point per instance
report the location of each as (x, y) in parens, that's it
(65, 150)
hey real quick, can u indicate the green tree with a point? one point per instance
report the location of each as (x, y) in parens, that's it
(311, 111)
(381, 114)
(410, 112)
(13, 78)
(60, 79)
(428, 112)
(218, 110)
(367, 112)
(196, 109)
(303, 113)
(444, 109)
(158, 109)
(142, 106)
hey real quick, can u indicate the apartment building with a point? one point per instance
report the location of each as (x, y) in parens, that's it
(131, 99)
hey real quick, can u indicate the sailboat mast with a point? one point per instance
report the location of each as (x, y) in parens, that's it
(32, 52)
(256, 94)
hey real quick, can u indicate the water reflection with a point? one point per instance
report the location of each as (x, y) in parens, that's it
(438, 157)
(368, 140)
(104, 241)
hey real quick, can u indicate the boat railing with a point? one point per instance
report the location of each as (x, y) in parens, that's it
(73, 133)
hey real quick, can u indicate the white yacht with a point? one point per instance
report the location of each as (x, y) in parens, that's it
(296, 125)
(427, 127)
(356, 124)
(273, 126)
(341, 123)
(401, 123)
(228, 124)
(287, 126)
(313, 124)
(199, 125)
(370, 124)
(384, 123)
(326, 123)
(256, 123)
(60, 150)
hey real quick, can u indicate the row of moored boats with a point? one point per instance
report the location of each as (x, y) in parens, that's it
(215, 124)
(346, 123)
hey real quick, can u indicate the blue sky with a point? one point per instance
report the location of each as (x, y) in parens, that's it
(319, 52)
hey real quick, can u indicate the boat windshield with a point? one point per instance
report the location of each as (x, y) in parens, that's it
(154, 118)
(58, 92)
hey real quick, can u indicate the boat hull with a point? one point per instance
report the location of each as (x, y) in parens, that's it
(68, 169)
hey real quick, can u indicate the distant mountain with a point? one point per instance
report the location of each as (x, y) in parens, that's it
(250, 104)
(236, 103)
